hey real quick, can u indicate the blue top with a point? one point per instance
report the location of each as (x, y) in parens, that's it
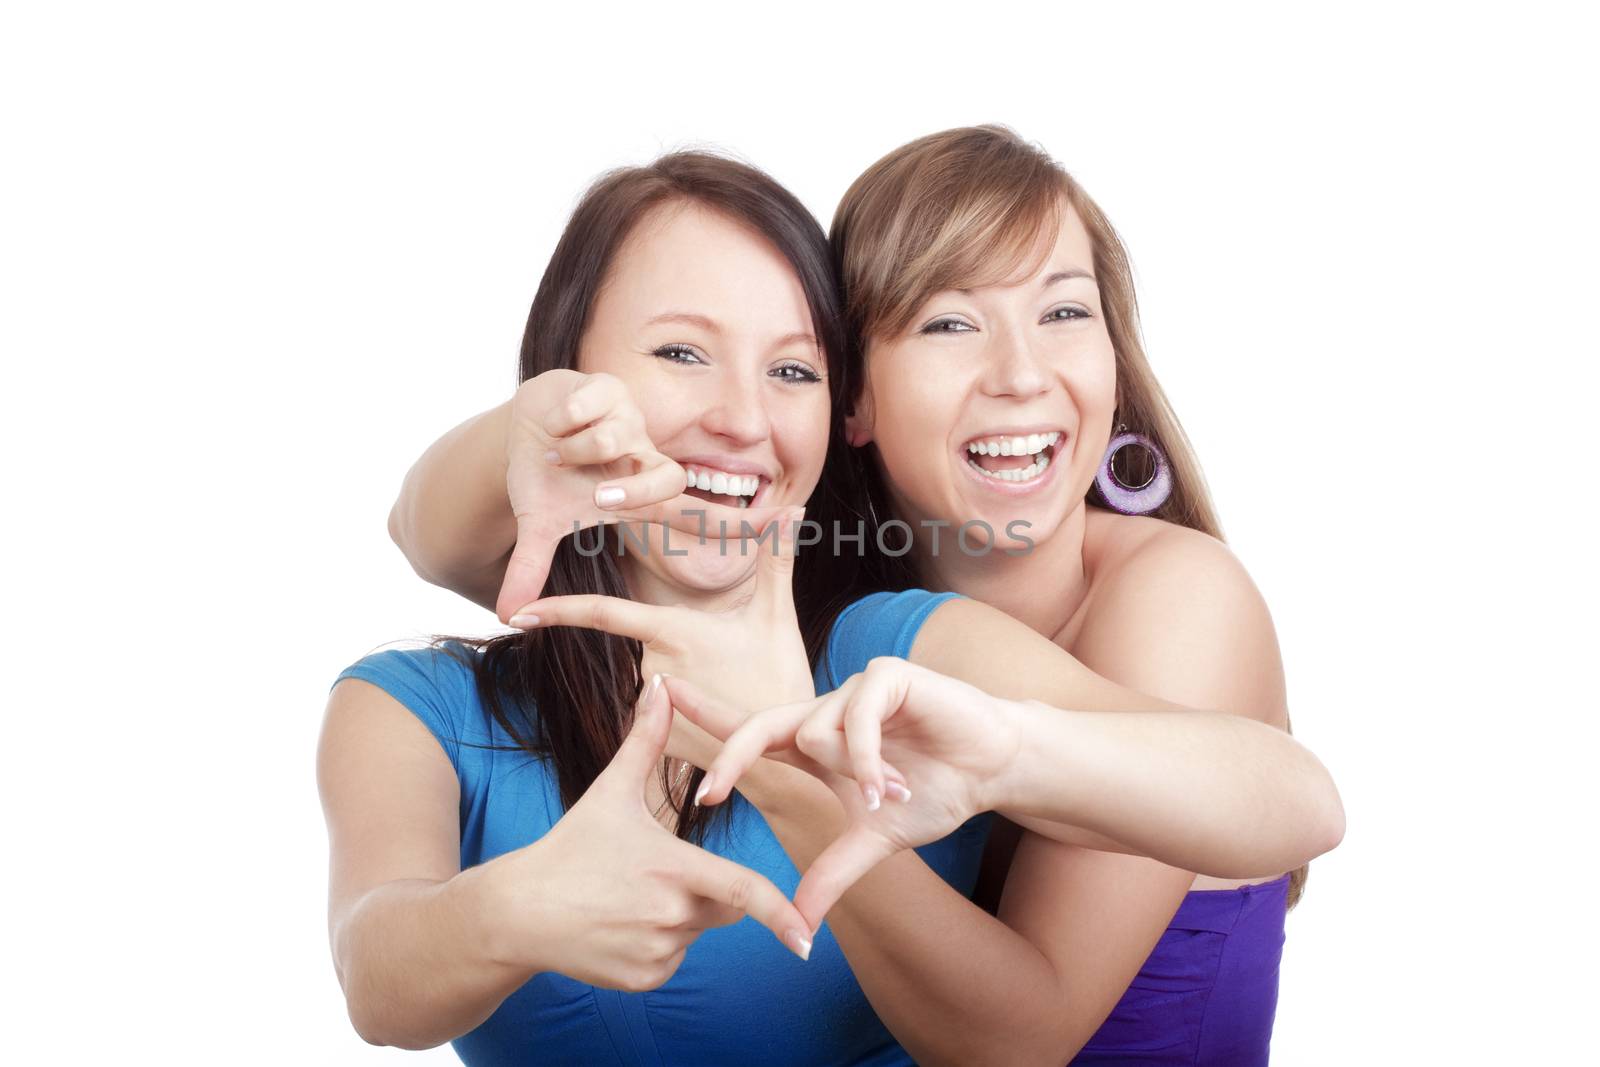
(739, 997)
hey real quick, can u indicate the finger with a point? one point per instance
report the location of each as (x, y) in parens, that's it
(713, 716)
(660, 481)
(639, 755)
(775, 581)
(829, 752)
(715, 878)
(526, 570)
(851, 855)
(602, 442)
(613, 615)
(712, 913)
(863, 733)
(772, 730)
(591, 399)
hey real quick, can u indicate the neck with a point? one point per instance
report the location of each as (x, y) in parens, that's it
(1042, 587)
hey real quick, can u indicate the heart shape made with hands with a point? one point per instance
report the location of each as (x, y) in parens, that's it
(927, 744)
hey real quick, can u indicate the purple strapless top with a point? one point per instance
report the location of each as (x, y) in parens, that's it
(1207, 995)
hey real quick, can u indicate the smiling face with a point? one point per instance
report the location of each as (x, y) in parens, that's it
(708, 325)
(996, 402)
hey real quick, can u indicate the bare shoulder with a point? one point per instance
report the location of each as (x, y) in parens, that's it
(1173, 612)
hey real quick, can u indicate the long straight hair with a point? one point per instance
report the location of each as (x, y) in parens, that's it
(960, 209)
(568, 693)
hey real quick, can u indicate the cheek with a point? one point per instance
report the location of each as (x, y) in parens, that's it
(800, 433)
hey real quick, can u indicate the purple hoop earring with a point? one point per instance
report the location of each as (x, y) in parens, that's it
(1134, 499)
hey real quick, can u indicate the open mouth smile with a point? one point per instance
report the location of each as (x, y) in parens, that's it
(1012, 463)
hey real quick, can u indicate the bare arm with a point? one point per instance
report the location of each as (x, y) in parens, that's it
(453, 516)
(1075, 924)
(409, 929)
(425, 952)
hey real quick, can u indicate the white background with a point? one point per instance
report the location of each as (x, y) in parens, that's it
(256, 257)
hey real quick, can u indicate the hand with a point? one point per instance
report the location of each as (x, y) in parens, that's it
(752, 655)
(577, 454)
(610, 897)
(937, 747)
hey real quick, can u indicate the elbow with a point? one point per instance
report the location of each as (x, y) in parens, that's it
(374, 1031)
(400, 531)
(1331, 825)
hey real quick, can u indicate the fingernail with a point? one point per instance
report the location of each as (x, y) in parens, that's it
(552, 456)
(607, 495)
(524, 620)
(650, 692)
(705, 784)
(897, 791)
(798, 943)
(871, 793)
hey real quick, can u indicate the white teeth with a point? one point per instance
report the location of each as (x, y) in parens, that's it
(740, 485)
(1032, 444)
(1032, 470)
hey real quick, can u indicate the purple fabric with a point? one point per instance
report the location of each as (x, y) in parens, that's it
(1207, 995)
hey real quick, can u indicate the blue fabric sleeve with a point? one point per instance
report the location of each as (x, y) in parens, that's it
(879, 624)
(436, 685)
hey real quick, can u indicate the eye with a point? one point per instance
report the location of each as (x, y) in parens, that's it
(1064, 314)
(676, 353)
(938, 326)
(794, 373)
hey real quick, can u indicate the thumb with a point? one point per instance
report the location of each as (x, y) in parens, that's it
(526, 570)
(777, 562)
(851, 855)
(642, 749)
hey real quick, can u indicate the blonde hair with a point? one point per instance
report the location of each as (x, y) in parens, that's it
(976, 206)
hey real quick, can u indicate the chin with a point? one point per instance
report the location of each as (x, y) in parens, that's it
(707, 567)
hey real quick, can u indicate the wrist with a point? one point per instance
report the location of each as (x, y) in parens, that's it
(1018, 725)
(492, 918)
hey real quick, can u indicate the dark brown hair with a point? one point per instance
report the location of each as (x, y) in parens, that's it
(568, 693)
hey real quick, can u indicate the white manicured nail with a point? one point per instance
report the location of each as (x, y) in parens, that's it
(870, 792)
(607, 495)
(897, 791)
(705, 784)
(799, 944)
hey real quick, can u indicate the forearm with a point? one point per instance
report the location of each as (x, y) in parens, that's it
(1203, 791)
(452, 518)
(953, 984)
(417, 963)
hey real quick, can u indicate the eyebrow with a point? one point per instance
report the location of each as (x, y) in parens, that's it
(687, 317)
(692, 319)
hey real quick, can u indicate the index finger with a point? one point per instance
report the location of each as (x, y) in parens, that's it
(766, 731)
(715, 878)
(610, 614)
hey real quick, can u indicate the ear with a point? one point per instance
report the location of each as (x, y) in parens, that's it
(858, 423)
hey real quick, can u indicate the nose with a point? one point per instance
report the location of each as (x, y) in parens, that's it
(737, 412)
(1014, 368)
